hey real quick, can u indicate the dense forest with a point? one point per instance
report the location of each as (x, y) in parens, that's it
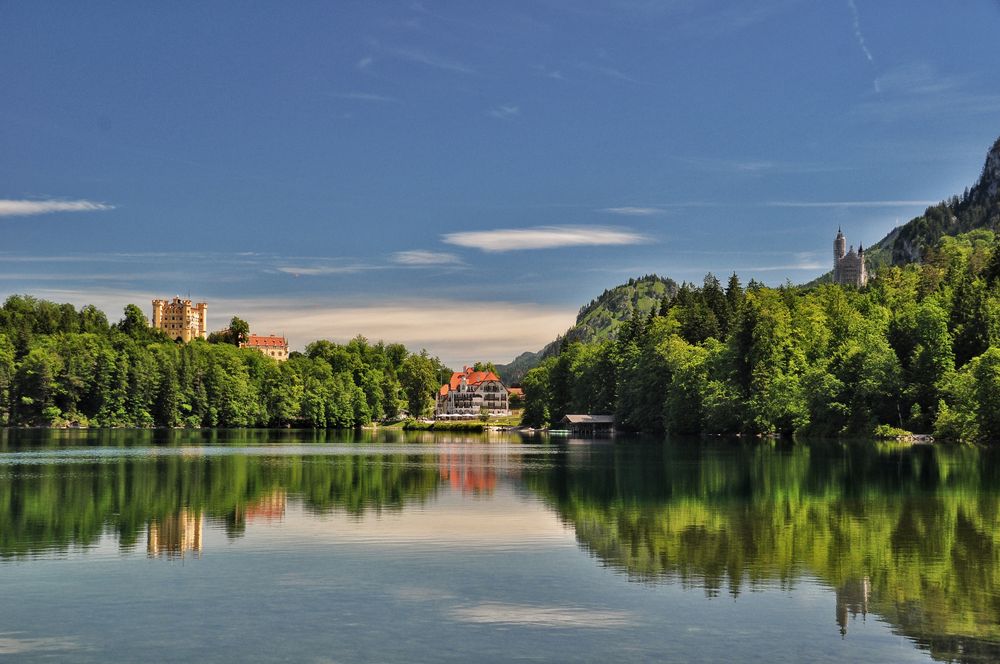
(917, 349)
(60, 365)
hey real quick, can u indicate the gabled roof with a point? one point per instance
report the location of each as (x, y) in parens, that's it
(588, 419)
(472, 379)
(255, 341)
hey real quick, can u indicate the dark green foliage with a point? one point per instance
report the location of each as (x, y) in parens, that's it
(918, 349)
(419, 379)
(237, 333)
(60, 366)
(463, 427)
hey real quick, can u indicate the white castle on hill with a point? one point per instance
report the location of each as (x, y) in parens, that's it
(848, 266)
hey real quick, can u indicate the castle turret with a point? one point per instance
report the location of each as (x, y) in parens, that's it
(839, 245)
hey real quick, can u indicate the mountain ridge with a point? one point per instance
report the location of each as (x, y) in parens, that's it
(598, 319)
(977, 207)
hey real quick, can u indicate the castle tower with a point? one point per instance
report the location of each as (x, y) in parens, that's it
(849, 267)
(202, 309)
(158, 313)
(839, 251)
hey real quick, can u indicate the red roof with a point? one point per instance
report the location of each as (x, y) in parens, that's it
(255, 341)
(472, 378)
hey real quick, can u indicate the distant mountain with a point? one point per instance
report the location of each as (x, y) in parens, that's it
(598, 319)
(978, 207)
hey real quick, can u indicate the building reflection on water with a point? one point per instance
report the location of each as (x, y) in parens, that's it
(852, 599)
(267, 508)
(175, 535)
(470, 473)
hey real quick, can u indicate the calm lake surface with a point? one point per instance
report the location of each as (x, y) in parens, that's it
(362, 547)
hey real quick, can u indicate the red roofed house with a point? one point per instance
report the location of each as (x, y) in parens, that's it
(468, 392)
(276, 347)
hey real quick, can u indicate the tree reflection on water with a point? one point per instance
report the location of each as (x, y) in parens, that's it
(909, 534)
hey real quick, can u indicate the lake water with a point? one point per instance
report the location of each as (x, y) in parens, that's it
(361, 547)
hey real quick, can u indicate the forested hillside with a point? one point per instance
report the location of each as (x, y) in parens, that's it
(918, 349)
(975, 208)
(59, 366)
(599, 319)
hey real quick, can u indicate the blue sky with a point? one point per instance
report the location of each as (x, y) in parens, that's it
(463, 176)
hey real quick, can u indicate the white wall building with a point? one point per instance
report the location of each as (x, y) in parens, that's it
(469, 392)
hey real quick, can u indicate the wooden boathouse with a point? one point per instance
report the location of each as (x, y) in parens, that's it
(589, 426)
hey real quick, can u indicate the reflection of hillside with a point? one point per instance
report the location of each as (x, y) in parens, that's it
(56, 506)
(910, 534)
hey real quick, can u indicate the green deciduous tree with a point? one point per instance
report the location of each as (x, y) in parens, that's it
(418, 378)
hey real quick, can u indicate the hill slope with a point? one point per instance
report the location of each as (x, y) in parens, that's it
(598, 319)
(976, 208)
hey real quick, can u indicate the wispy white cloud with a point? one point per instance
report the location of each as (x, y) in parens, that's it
(543, 237)
(323, 270)
(758, 166)
(851, 204)
(24, 208)
(431, 60)
(12, 643)
(792, 267)
(542, 616)
(546, 72)
(753, 166)
(956, 104)
(367, 96)
(505, 112)
(693, 204)
(423, 258)
(365, 62)
(632, 211)
(919, 90)
(918, 78)
(611, 72)
(729, 18)
(858, 34)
